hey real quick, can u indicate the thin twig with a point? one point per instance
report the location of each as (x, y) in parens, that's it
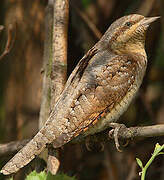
(12, 147)
(88, 22)
(10, 41)
(47, 61)
(138, 132)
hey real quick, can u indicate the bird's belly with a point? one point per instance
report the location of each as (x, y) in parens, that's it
(114, 114)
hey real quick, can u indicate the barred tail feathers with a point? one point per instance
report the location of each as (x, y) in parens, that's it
(26, 154)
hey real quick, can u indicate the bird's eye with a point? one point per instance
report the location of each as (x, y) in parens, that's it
(129, 24)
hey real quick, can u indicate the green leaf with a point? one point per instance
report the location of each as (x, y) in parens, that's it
(139, 162)
(37, 176)
(157, 146)
(43, 176)
(59, 177)
(157, 149)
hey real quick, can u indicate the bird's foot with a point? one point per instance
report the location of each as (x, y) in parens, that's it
(114, 134)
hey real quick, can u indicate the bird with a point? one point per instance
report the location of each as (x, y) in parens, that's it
(98, 91)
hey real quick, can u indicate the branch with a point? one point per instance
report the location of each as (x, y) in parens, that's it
(12, 147)
(124, 133)
(47, 61)
(59, 63)
(52, 162)
(10, 41)
(58, 74)
(88, 22)
(139, 132)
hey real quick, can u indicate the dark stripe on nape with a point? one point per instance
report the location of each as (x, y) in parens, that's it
(84, 63)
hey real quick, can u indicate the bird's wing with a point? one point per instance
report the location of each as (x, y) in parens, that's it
(105, 81)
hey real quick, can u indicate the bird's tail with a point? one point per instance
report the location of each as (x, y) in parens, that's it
(26, 154)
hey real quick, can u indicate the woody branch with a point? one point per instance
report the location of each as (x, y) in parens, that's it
(55, 64)
(124, 133)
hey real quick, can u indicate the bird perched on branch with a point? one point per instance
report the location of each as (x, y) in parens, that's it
(98, 91)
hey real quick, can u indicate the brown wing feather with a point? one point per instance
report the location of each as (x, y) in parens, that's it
(103, 84)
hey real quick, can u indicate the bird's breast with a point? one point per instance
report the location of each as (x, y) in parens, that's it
(124, 86)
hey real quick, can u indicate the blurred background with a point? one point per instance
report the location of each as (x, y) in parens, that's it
(21, 83)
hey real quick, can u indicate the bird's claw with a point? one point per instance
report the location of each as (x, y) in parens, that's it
(114, 134)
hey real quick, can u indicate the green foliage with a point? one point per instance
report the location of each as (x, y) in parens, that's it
(59, 177)
(44, 176)
(157, 151)
(139, 162)
(37, 176)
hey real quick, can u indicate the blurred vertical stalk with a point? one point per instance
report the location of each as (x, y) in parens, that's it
(47, 61)
(55, 64)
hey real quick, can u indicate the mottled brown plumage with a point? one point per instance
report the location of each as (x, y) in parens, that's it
(97, 92)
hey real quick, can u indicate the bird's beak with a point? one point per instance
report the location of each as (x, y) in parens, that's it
(148, 20)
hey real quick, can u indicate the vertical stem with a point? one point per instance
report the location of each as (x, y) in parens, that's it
(156, 152)
(58, 73)
(55, 64)
(47, 61)
(59, 63)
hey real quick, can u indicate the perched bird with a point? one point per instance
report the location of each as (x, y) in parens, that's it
(98, 91)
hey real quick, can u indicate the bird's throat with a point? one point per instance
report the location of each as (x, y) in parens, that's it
(132, 48)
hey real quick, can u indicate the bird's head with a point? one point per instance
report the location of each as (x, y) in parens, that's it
(127, 34)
